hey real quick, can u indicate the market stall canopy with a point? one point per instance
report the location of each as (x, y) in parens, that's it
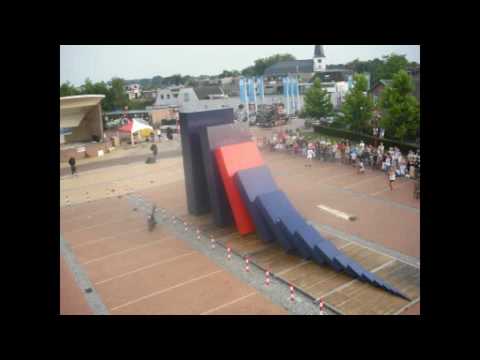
(134, 125)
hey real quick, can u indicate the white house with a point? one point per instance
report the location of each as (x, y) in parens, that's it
(134, 91)
(175, 96)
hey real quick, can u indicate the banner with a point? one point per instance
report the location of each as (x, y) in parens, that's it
(243, 91)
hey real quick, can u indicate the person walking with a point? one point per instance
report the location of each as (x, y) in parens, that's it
(310, 155)
(72, 163)
(361, 168)
(391, 178)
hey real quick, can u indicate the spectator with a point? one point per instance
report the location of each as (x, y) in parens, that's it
(361, 168)
(353, 156)
(310, 155)
(338, 152)
(169, 134)
(154, 149)
(387, 164)
(73, 168)
(347, 154)
(361, 146)
(403, 166)
(374, 158)
(381, 149)
(391, 177)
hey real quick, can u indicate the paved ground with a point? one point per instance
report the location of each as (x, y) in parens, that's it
(135, 271)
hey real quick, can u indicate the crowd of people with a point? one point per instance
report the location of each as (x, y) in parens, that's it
(390, 160)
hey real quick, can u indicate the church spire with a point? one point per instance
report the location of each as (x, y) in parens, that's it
(318, 51)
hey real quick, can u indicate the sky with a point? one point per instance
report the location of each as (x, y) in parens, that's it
(102, 62)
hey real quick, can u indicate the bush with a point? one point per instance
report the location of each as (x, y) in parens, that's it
(356, 137)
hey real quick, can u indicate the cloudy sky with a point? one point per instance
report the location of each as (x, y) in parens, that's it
(102, 62)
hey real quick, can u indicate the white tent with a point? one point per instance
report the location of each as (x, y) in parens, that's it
(140, 124)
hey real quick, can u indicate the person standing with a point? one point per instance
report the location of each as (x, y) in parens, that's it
(391, 178)
(361, 168)
(310, 155)
(388, 164)
(72, 163)
(354, 157)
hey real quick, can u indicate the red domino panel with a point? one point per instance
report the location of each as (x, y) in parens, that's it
(230, 159)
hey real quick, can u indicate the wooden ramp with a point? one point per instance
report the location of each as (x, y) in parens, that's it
(339, 291)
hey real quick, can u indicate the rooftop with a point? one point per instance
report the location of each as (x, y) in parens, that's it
(290, 67)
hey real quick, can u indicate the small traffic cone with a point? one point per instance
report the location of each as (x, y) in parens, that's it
(212, 241)
(198, 234)
(229, 255)
(292, 294)
(247, 266)
(267, 278)
(322, 311)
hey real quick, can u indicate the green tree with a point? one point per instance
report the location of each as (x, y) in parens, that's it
(262, 64)
(391, 65)
(358, 107)
(67, 89)
(400, 109)
(248, 71)
(317, 101)
(118, 94)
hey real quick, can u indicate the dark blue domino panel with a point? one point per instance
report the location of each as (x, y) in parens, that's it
(272, 206)
(251, 183)
(191, 124)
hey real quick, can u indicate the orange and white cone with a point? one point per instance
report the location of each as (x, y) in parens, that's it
(267, 278)
(212, 241)
(292, 294)
(229, 255)
(198, 234)
(247, 266)
(322, 311)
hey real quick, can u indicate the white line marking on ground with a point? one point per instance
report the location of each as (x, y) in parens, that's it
(293, 267)
(410, 304)
(228, 303)
(97, 225)
(166, 261)
(122, 252)
(164, 290)
(341, 287)
(344, 246)
(336, 213)
(107, 238)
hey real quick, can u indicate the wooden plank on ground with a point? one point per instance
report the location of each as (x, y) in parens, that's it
(362, 298)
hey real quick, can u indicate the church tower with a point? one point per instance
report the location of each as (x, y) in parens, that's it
(318, 59)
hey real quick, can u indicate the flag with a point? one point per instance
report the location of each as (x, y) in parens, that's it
(243, 92)
(285, 87)
(293, 87)
(251, 90)
(260, 87)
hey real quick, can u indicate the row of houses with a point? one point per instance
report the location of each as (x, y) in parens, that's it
(335, 81)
